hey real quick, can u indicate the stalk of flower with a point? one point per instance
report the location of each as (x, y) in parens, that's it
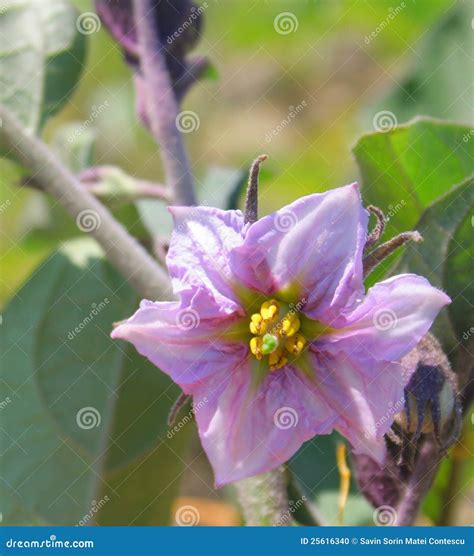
(274, 328)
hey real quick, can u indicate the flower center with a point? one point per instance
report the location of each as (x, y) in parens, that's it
(275, 334)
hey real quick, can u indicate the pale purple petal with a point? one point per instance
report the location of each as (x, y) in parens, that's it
(314, 244)
(364, 394)
(188, 340)
(245, 433)
(390, 321)
(199, 250)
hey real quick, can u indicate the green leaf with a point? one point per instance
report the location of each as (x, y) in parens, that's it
(404, 170)
(220, 187)
(446, 258)
(85, 435)
(314, 469)
(41, 57)
(440, 82)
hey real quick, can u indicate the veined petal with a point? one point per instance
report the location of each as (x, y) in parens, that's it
(314, 245)
(199, 250)
(244, 432)
(393, 317)
(188, 340)
(364, 394)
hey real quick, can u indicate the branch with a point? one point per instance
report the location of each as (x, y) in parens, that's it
(124, 252)
(162, 106)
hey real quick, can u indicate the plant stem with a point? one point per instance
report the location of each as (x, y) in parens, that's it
(128, 256)
(264, 500)
(419, 482)
(162, 106)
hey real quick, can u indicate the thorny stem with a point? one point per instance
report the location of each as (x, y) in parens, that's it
(375, 257)
(251, 204)
(264, 500)
(124, 252)
(162, 106)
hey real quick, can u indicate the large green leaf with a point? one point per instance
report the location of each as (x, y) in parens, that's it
(41, 57)
(446, 258)
(404, 170)
(58, 364)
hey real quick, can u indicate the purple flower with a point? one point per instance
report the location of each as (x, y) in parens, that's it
(273, 334)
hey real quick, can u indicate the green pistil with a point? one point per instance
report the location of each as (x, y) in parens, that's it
(269, 343)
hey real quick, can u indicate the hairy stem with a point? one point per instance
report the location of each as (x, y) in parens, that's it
(124, 252)
(162, 106)
(419, 482)
(251, 204)
(375, 257)
(264, 500)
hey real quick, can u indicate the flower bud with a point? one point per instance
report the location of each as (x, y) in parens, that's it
(431, 395)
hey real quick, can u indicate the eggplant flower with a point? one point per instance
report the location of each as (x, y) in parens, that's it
(274, 335)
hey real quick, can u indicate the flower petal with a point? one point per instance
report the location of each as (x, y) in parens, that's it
(245, 433)
(188, 340)
(393, 317)
(199, 250)
(314, 244)
(364, 394)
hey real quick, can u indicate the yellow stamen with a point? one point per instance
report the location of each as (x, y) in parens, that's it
(295, 344)
(256, 347)
(257, 324)
(290, 325)
(269, 309)
(277, 359)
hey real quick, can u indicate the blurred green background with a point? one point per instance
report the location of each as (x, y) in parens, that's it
(326, 63)
(332, 64)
